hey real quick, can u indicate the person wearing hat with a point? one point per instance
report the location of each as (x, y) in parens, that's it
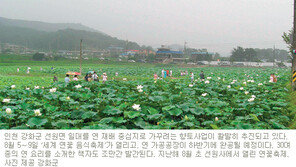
(104, 77)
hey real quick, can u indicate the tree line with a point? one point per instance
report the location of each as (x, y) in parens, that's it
(256, 55)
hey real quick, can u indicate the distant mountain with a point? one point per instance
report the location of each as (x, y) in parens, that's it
(42, 26)
(48, 36)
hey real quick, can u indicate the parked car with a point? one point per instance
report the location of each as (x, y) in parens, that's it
(238, 64)
(200, 63)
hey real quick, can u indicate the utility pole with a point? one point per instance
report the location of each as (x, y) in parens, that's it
(185, 53)
(273, 57)
(294, 48)
(80, 56)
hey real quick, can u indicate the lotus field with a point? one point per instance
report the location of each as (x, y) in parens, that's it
(228, 98)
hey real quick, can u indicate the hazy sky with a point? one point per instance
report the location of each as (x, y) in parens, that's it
(218, 25)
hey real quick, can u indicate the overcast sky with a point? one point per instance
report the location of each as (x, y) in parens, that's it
(218, 25)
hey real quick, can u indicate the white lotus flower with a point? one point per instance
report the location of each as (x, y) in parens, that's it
(139, 87)
(209, 77)
(124, 79)
(140, 90)
(27, 88)
(87, 88)
(136, 107)
(241, 88)
(37, 112)
(251, 99)
(245, 83)
(6, 100)
(229, 86)
(246, 92)
(12, 86)
(204, 94)
(253, 96)
(190, 85)
(8, 111)
(232, 83)
(68, 98)
(206, 82)
(29, 68)
(252, 81)
(154, 81)
(219, 78)
(202, 80)
(249, 80)
(266, 91)
(260, 84)
(234, 80)
(216, 119)
(42, 87)
(53, 90)
(36, 87)
(78, 86)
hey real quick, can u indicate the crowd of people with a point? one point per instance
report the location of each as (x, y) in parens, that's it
(93, 76)
(169, 73)
(90, 76)
(166, 73)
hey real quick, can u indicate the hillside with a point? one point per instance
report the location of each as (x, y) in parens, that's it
(61, 39)
(42, 26)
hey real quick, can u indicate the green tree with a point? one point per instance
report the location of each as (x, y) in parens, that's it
(238, 54)
(250, 54)
(287, 39)
(38, 56)
(241, 54)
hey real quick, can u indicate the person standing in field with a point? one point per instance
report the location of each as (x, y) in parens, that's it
(155, 76)
(116, 74)
(201, 75)
(28, 70)
(18, 69)
(104, 77)
(95, 77)
(192, 77)
(67, 79)
(168, 73)
(273, 78)
(171, 73)
(55, 79)
(162, 73)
